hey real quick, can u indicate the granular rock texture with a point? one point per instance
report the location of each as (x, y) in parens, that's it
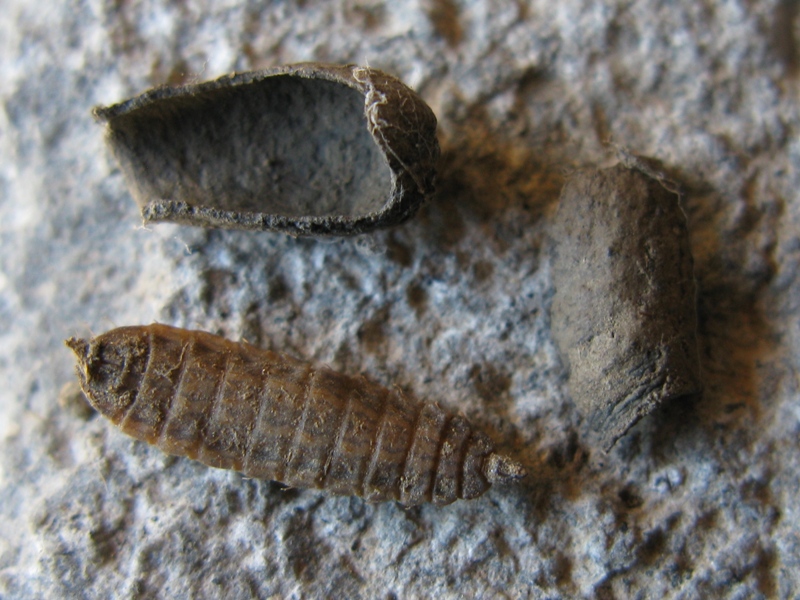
(698, 500)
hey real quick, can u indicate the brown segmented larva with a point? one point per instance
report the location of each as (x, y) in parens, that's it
(233, 406)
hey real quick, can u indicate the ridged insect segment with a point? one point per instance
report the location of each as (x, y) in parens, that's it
(233, 406)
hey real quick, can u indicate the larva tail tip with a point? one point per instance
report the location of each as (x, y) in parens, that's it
(502, 469)
(78, 346)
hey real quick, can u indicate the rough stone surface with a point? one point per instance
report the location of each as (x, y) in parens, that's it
(698, 500)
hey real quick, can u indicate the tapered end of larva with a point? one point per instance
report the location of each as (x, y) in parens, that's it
(501, 469)
(109, 368)
(80, 348)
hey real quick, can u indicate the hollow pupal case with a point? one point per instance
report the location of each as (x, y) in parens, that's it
(307, 149)
(233, 406)
(624, 312)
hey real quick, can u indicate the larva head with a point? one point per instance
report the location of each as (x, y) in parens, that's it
(110, 368)
(483, 467)
(501, 469)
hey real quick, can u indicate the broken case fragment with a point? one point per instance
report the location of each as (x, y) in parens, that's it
(624, 312)
(307, 149)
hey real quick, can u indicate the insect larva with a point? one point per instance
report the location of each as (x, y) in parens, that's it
(271, 416)
(309, 149)
(624, 314)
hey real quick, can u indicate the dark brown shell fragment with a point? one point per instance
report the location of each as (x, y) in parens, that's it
(271, 416)
(624, 311)
(308, 149)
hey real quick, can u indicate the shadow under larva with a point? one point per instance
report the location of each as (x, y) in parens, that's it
(233, 406)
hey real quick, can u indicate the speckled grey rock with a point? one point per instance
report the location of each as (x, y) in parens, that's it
(698, 500)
